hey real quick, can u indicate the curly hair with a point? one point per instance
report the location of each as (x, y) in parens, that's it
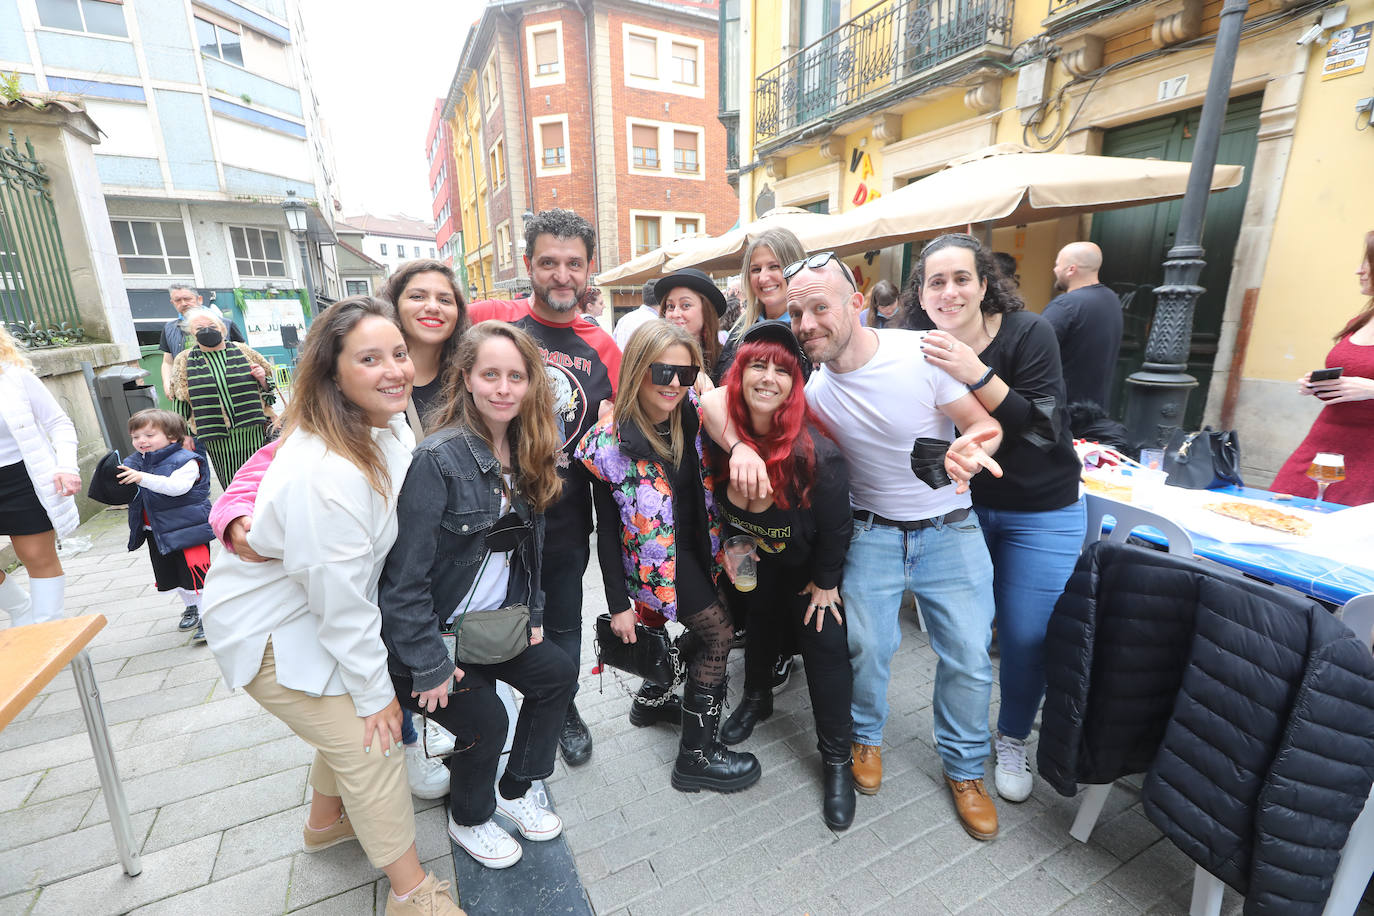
(561, 224)
(786, 449)
(999, 299)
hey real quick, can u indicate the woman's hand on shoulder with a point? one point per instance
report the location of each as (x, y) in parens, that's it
(947, 352)
(383, 728)
(437, 697)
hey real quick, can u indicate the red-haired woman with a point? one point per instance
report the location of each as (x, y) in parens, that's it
(802, 531)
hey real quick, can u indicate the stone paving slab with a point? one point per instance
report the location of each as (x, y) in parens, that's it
(218, 792)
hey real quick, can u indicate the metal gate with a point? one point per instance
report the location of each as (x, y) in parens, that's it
(37, 302)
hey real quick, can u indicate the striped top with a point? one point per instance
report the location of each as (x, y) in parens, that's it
(220, 389)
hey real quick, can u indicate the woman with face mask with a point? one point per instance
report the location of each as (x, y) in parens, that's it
(224, 389)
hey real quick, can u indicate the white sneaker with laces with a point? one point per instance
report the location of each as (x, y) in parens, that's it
(531, 815)
(487, 843)
(440, 739)
(428, 777)
(1013, 776)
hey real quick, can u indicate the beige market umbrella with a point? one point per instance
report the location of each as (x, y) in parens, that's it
(1009, 187)
(722, 253)
(638, 269)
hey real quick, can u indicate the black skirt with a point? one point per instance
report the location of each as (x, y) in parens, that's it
(170, 570)
(20, 510)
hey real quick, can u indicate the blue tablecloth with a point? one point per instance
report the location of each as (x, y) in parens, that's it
(1321, 578)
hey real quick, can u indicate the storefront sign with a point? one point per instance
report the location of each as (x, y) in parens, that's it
(264, 318)
(1348, 51)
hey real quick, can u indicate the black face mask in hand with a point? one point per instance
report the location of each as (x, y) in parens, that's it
(209, 337)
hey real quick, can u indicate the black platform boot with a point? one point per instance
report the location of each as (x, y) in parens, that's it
(654, 703)
(754, 707)
(837, 780)
(702, 761)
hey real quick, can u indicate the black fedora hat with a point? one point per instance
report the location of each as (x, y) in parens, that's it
(778, 330)
(694, 280)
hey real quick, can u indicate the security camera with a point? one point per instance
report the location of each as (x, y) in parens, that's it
(1311, 35)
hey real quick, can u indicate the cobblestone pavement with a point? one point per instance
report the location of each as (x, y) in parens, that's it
(217, 790)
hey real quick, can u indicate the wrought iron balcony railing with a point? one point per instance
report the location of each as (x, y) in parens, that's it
(889, 46)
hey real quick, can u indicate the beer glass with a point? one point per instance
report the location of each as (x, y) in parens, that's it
(1326, 468)
(740, 563)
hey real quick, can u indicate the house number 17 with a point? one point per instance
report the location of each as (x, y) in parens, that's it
(1173, 87)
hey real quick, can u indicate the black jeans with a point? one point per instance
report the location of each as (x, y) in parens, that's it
(775, 613)
(561, 580)
(477, 718)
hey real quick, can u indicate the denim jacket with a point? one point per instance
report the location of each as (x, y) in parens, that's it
(450, 499)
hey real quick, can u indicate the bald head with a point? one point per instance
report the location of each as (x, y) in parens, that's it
(1077, 265)
(823, 305)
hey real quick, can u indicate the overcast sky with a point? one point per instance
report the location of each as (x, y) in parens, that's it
(378, 67)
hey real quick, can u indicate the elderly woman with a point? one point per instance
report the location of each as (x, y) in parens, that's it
(225, 393)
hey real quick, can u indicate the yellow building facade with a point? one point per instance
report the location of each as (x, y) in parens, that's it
(469, 166)
(845, 101)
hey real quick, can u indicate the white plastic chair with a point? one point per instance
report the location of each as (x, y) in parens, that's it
(1127, 519)
(1357, 858)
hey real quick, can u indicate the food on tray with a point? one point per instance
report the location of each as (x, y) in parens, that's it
(1263, 516)
(1112, 486)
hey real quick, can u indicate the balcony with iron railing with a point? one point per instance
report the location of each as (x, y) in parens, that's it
(884, 53)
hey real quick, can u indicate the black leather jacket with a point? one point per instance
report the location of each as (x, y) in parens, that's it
(450, 499)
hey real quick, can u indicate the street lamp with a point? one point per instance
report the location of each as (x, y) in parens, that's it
(297, 223)
(1157, 394)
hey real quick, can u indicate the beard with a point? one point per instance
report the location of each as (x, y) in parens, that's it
(543, 294)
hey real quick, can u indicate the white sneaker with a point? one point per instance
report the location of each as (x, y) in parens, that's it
(1013, 776)
(428, 777)
(487, 843)
(531, 815)
(439, 739)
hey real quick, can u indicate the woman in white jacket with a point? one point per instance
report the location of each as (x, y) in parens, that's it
(301, 632)
(38, 476)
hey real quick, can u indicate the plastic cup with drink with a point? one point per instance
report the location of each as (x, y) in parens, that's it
(741, 563)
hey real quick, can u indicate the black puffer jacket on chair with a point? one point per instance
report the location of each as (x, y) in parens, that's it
(1251, 711)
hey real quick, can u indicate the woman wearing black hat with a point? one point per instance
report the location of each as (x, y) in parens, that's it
(691, 300)
(802, 534)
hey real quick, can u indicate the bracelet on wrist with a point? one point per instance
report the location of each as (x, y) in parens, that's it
(987, 377)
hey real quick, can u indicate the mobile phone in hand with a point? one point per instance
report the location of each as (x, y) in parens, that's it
(1325, 375)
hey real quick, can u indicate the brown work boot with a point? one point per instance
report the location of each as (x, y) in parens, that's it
(868, 768)
(429, 899)
(975, 808)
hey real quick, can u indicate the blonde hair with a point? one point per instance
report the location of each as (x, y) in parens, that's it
(786, 247)
(10, 354)
(646, 344)
(319, 407)
(534, 437)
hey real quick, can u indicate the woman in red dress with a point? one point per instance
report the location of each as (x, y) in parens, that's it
(1346, 423)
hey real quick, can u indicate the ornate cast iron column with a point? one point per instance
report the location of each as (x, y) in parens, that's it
(1157, 395)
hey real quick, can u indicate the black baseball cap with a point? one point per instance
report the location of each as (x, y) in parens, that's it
(778, 330)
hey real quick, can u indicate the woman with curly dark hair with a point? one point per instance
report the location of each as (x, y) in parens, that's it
(1032, 517)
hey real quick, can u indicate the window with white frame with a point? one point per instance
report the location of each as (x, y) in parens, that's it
(217, 41)
(431, 251)
(152, 247)
(684, 226)
(646, 234)
(257, 252)
(644, 146)
(382, 247)
(685, 152)
(356, 288)
(641, 56)
(546, 56)
(498, 163)
(417, 250)
(553, 144)
(503, 252)
(99, 17)
(489, 87)
(684, 64)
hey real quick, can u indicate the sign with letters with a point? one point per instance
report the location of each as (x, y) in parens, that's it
(264, 318)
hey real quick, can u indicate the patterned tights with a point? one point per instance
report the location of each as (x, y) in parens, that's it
(712, 626)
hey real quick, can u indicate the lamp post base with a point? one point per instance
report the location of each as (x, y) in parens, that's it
(1157, 396)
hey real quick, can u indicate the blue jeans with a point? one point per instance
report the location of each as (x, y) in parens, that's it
(947, 568)
(1033, 554)
(408, 733)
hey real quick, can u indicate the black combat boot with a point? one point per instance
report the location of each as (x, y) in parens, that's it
(837, 780)
(655, 703)
(702, 761)
(754, 707)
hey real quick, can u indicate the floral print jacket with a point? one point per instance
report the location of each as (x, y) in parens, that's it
(639, 484)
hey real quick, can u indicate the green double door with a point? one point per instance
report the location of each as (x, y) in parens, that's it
(1136, 241)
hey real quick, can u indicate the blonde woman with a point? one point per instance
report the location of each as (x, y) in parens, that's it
(300, 632)
(765, 290)
(652, 484)
(38, 477)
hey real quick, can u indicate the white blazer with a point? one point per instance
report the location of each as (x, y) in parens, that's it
(329, 533)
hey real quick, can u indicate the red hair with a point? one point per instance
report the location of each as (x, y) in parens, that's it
(786, 449)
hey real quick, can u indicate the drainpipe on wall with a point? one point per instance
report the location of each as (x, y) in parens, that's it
(588, 33)
(530, 202)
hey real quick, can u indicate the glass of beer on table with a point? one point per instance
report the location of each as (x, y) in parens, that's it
(1326, 468)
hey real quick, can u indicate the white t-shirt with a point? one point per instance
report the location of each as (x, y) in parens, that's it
(876, 413)
(488, 592)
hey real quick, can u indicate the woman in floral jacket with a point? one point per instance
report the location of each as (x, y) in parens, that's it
(652, 485)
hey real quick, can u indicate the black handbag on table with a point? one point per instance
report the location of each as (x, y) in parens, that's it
(1203, 460)
(651, 656)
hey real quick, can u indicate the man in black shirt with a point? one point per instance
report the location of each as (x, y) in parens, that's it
(173, 338)
(1087, 320)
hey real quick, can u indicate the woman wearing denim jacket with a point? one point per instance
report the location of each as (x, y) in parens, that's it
(473, 508)
(652, 486)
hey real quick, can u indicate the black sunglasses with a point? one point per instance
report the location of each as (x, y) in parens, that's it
(816, 262)
(662, 373)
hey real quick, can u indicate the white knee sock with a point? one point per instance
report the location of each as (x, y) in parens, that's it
(15, 602)
(188, 597)
(47, 598)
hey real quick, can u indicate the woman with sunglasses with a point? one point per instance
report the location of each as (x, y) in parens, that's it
(473, 503)
(652, 483)
(1032, 517)
(802, 530)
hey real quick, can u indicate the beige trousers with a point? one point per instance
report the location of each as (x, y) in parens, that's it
(373, 786)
